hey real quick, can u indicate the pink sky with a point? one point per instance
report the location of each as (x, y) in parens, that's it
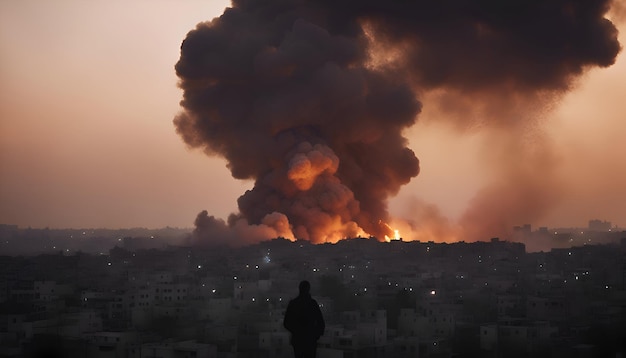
(88, 93)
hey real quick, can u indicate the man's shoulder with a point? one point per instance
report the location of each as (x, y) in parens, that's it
(302, 300)
(312, 303)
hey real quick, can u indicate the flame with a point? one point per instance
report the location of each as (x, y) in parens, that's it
(396, 234)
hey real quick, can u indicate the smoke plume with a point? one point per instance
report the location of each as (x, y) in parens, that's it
(309, 98)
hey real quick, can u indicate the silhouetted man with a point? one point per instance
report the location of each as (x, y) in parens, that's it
(305, 322)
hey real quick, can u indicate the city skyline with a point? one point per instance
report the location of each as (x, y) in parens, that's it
(88, 95)
(401, 299)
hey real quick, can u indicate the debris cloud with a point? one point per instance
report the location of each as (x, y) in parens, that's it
(310, 99)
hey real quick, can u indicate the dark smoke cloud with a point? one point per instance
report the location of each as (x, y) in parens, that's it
(310, 98)
(214, 231)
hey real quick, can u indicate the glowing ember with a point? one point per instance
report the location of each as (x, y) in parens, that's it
(396, 236)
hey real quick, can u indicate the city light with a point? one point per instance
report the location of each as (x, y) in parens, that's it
(172, 285)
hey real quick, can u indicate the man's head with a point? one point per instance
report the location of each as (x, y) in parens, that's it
(304, 287)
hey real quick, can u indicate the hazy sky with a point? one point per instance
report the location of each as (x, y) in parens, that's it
(88, 93)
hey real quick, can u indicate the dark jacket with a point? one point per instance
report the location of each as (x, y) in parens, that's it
(304, 320)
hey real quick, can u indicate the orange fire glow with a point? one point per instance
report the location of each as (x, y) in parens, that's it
(396, 233)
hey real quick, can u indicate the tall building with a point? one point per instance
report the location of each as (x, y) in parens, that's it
(599, 225)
